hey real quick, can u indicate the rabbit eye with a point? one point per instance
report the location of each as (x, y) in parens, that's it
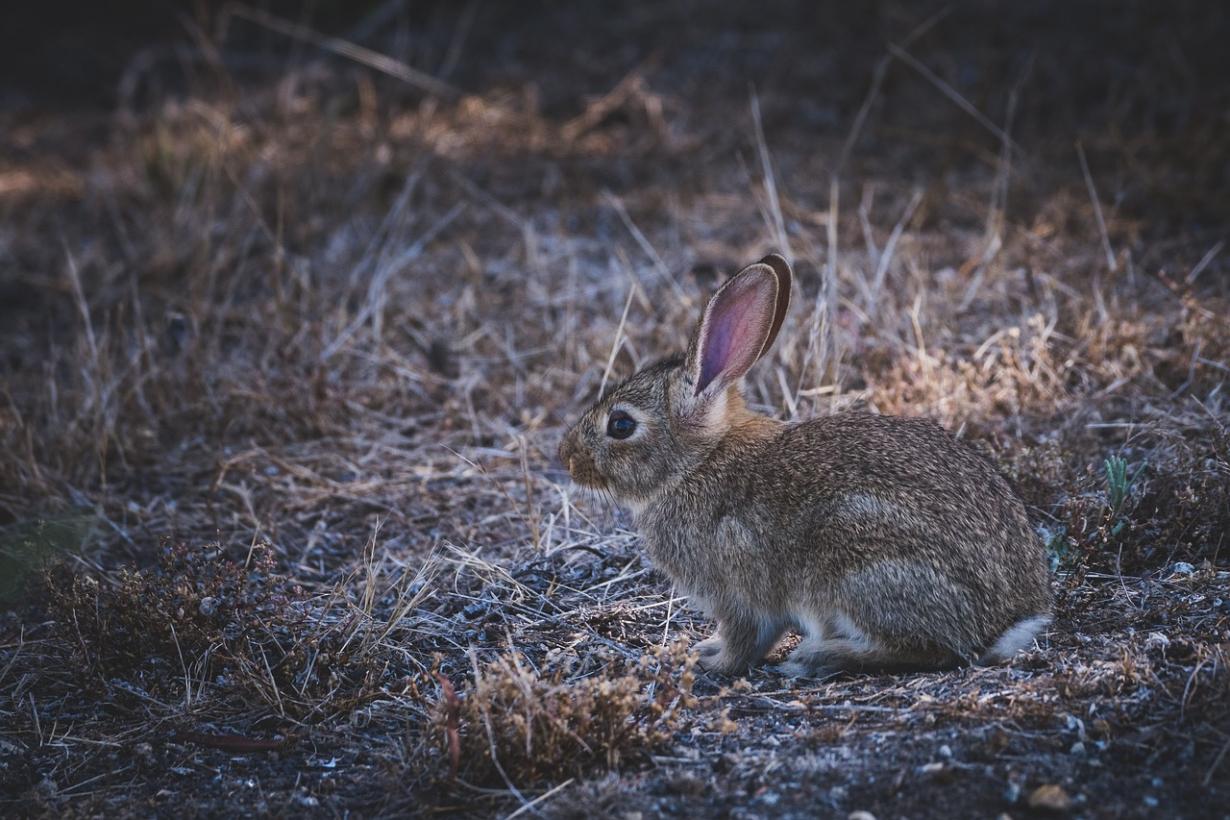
(620, 425)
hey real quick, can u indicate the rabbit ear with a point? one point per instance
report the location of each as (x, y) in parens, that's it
(739, 323)
(785, 278)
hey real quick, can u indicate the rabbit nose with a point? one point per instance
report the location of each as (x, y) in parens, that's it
(567, 451)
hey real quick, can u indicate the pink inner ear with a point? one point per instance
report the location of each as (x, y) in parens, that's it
(735, 330)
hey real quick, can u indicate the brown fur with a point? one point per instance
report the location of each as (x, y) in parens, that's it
(890, 544)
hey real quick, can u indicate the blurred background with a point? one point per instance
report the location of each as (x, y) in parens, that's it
(297, 298)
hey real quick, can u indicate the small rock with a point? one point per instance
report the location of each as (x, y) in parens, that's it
(1151, 801)
(1077, 749)
(208, 606)
(1050, 797)
(1182, 568)
(860, 815)
(945, 751)
(1013, 792)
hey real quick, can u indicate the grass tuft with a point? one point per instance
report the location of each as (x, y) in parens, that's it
(518, 725)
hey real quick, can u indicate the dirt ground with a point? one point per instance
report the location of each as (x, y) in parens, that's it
(294, 308)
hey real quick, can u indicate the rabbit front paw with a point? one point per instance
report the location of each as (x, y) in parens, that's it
(708, 647)
(722, 664)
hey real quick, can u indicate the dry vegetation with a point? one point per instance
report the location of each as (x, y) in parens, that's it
(287, 343)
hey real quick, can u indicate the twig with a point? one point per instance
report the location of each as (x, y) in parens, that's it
(619, 333)
(239, 744)
(344, 48)
(453, 55)
(886, 256)
(877, 80)
(1205, 261)
(381, 278)
(1097, 209)
(1208, 776)
(770, 182)
(600, 109)
(452, 723)
(645, 246)
(951, 93)
(530, 805)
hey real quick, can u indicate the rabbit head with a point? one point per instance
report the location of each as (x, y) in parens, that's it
(663, 422)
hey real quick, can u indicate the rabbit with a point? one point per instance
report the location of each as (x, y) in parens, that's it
(887, 543)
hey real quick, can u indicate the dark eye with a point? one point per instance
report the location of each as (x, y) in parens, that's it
(620, 425)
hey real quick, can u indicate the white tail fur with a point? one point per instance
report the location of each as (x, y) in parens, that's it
(1018, 636)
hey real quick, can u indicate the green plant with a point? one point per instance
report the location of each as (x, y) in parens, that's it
(29, 547)
(1119, 488)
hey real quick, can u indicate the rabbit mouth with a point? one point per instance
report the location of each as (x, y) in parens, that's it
(584, 472)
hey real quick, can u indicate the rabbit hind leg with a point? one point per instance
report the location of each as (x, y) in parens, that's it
(836, 644)
(819, 659)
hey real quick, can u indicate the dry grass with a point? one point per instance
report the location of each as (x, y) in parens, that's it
(518, 724)
(287, 346)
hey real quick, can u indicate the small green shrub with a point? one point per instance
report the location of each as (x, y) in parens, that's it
(30, 547)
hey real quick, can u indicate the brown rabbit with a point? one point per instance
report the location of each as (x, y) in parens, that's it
(885, 541)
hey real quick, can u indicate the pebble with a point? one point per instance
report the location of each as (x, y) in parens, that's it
(1050, 797)
(1182, 568)
(860, 815)
(145, 751)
